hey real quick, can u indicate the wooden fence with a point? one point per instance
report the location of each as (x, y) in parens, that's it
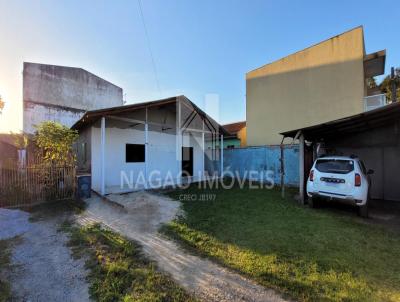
(35, 184)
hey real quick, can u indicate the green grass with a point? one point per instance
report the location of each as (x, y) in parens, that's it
(118, 271)
(5, 292)
(310, 255)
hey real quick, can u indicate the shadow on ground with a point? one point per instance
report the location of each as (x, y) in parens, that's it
(381, 212)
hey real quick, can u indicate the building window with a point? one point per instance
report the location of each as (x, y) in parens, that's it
(231, 147)
(135, 153)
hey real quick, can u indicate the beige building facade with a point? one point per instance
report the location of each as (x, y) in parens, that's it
(321, 83)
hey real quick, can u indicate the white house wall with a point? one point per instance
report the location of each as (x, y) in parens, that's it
(116, 139)
(161, 156)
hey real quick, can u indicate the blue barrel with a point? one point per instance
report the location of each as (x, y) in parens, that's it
(84, 183)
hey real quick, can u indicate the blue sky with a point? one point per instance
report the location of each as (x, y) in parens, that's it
(199, 47)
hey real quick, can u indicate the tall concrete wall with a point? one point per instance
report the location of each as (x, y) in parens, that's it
(63, 94)
(262, 159)
(321, 83)
(35, 113)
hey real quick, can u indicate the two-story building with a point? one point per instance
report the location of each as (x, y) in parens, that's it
(323, 82)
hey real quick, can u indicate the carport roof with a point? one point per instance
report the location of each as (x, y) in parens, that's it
(350, 125)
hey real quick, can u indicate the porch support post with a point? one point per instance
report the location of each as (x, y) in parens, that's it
(204, 153)
(146, 151)
(301, 168)
(179, 142)
(103, 155)
(222, 155)
(282, 160)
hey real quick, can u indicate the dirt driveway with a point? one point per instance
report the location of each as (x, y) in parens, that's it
(42, 268)
(138, 216)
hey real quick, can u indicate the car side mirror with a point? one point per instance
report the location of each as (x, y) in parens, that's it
(370, 171)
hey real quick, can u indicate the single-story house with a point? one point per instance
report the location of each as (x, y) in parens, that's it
(373, 136)
(237, 135)
(148, 145)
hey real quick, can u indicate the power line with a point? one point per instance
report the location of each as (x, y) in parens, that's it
(149, 46)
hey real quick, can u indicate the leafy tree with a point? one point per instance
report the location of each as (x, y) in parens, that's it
(371, 82)
(386, 85)
(55, 143)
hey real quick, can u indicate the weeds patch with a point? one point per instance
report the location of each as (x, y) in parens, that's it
(5, 254)
(118, 271)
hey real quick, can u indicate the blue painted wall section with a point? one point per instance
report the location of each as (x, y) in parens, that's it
(241, 161)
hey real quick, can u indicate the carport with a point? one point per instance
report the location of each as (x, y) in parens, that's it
(374, 136)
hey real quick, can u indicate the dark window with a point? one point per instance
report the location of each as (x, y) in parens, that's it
(187, 161)
(339, 166)
(135, 153)
(231, 147)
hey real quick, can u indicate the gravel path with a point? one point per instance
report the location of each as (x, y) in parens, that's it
(139, 217)
(42, 266)
(13, 223)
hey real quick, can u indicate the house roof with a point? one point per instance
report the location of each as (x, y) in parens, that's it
(234, 128)
(92, 116)
(352, 124)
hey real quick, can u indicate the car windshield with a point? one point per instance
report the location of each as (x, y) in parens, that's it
(340, 166)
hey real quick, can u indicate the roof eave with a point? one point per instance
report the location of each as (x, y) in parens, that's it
(374, 63)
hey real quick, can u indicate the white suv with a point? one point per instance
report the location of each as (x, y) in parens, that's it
(339, 178)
